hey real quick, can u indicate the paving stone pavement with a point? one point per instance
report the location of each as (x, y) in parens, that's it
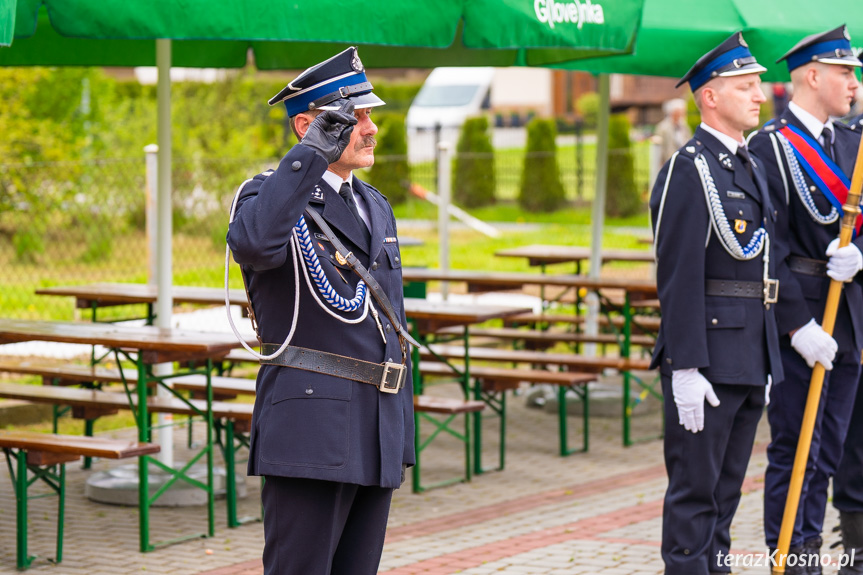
(594, 512)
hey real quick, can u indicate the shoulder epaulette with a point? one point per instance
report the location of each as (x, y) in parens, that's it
(691, 148)
(268, 173)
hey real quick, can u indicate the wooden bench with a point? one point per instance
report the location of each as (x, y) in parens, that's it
(40, 453)
(235, 418)
(427, 407)
(641, 324)
(494, 382)
(540, 339)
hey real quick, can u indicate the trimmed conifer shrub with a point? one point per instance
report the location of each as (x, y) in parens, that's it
(473, 178)
(391, 173)
(623, 197)
(541, 189)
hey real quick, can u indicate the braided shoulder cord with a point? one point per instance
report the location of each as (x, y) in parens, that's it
(720, 221)
(319, 277)
(802, 189)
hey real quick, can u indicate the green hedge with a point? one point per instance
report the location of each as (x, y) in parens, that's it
(390, 173)
(541, 189)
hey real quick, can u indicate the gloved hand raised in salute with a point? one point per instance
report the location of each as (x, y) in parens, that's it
(330, 131)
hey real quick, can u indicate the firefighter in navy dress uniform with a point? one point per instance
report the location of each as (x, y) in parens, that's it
(333, 420)
(806, 156)
(718, 282)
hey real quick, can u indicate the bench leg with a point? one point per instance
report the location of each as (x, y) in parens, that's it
(496, 401)
(583, 393)
(23, 559)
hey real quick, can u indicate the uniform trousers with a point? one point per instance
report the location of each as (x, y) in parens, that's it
(315, 527)
(848, 482)
(705, 474)
(785, 414)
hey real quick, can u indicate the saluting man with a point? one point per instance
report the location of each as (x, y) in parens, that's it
(333, 419)
(717, 280)
(809, 159)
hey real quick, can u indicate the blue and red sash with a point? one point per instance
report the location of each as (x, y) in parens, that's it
(823, 171)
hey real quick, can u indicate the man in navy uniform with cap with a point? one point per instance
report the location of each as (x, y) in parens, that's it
(808, 159)
(718, 284)
(333, 420)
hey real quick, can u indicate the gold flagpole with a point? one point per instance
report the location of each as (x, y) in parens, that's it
(851, 211)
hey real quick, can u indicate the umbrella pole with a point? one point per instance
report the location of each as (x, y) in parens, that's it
(851, 211)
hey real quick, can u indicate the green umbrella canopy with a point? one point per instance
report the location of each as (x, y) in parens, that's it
(298, 33)
(675, 33)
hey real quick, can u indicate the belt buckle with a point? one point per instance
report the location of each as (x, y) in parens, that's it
(387, 386)
(771, 291)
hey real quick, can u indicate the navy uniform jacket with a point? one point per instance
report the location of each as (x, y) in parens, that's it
(308, 424)
(804, 296)
(731, 340)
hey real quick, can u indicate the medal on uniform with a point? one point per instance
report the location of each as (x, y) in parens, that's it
(341, 259)
(739, 226)
(725, 160)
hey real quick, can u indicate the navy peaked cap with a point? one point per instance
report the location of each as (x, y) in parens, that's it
(318, 87)
(731, 58)
(831, 47)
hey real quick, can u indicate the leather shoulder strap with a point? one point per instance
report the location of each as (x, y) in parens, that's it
(373, 285)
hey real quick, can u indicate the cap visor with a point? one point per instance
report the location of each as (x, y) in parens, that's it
(748, 69)
(848, 61)
(362, 101)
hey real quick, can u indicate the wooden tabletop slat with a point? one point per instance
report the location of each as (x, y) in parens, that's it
(514, 280)
(81, 445)
(545, 254)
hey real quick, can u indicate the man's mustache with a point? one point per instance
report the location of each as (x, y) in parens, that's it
(365, 141)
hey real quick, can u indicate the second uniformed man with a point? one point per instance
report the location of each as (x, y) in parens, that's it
(806, 157)
(717, 281)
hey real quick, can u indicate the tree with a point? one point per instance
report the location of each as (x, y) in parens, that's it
(623, 197)
(541, 189)
(391, 173)
(473, 176)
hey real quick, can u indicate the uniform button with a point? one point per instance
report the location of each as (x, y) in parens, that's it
(740, 212)
(686, 551)
(389, 328)
(374, 266)
(714, 321)
(310, 391)
(397, 259)
(668, 359)
(812, 188)
(389, 359)
(296, 166)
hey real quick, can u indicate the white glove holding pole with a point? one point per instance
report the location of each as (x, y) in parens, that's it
(844, 263)
(814, 345)
(690, 389)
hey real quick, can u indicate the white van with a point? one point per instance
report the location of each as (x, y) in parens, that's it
(449, 96)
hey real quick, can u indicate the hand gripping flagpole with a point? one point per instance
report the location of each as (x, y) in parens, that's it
(851, 210)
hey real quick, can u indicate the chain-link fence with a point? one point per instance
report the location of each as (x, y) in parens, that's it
(70, 223)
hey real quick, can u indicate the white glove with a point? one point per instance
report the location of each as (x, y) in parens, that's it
(844, 262)
(690, 389)
(767, 390)
(814, 345)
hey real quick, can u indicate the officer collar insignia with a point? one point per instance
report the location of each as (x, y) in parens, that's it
(725, 160)
(318, 194)
(690, 149)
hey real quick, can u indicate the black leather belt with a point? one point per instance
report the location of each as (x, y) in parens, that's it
(807, 266)
(734, 288)
(388, 377)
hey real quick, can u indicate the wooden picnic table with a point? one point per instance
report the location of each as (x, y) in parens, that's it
(543, 255)
(151, 345)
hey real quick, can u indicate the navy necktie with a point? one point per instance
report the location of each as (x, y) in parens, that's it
(348, 196)
(827, 136)
(744, 156)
